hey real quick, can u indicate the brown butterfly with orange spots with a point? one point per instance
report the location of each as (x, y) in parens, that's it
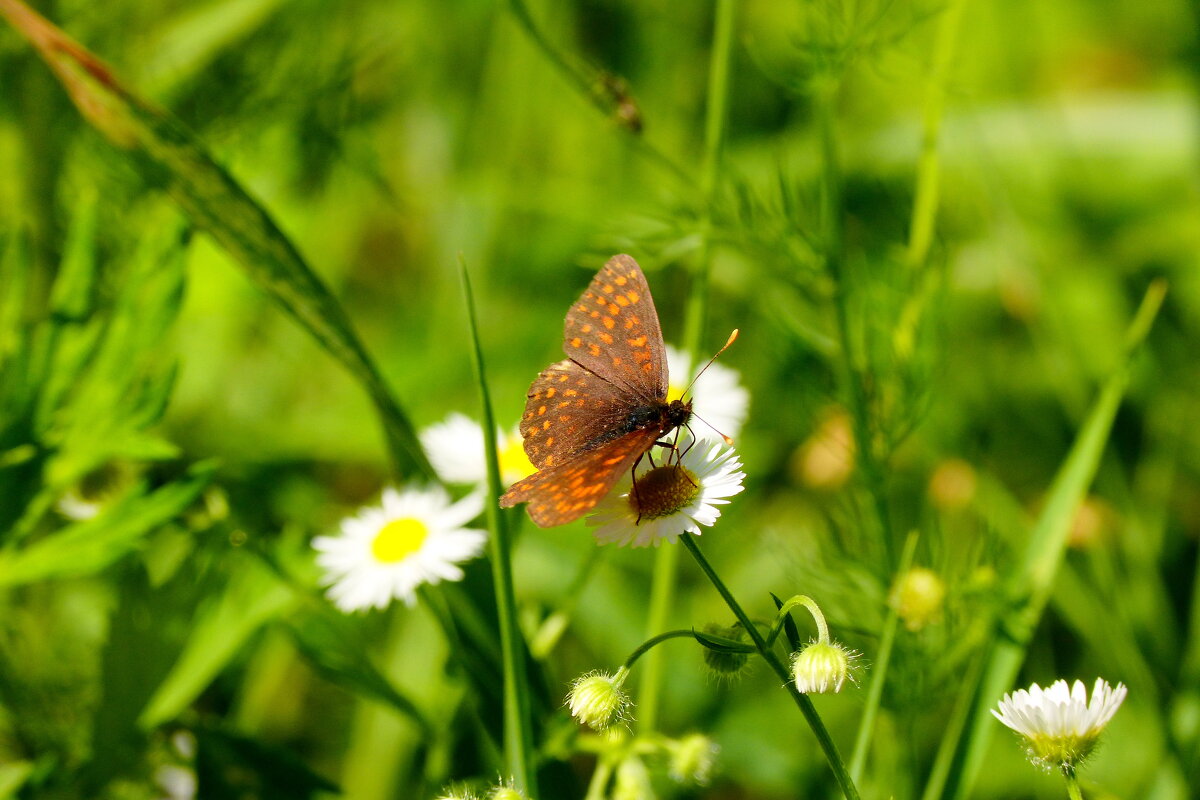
(590, 418)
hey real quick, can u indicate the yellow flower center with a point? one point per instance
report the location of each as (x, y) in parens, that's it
(663, 491)
(514, 464)
(675, 391)
(399, 539)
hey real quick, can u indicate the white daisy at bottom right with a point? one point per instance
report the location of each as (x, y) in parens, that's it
(1059, 724)
(669, 499)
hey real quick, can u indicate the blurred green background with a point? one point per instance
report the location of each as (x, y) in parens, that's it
(388, 139)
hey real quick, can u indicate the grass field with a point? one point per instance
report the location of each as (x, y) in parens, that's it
(266, 267)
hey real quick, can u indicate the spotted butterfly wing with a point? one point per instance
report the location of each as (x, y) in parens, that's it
(559, 495)
(590, 417)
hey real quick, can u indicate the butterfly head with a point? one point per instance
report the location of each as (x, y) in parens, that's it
(678, 413)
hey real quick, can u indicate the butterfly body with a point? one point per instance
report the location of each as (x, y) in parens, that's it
(589, 418)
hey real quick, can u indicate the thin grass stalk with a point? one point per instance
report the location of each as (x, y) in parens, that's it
(1033, 581)
(925, 200)
(926, 192)
(518, 739)
(666, 560)
(828, 747)
(883, 658)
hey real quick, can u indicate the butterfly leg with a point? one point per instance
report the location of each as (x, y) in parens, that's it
(690, 445)
(634, 490)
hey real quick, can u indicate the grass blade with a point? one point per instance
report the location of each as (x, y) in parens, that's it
(166, 153)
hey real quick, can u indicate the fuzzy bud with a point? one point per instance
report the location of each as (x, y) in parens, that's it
(822, 667)
(596, 699)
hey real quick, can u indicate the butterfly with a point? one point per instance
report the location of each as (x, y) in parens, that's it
(592, 416)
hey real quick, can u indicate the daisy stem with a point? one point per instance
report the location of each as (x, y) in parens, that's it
(806, 707)
(1073, 791)
(518, 740)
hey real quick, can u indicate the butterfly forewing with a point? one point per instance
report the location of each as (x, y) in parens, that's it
(568, 409)
(558, 495)
(613, 332)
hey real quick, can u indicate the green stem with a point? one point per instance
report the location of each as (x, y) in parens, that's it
(518, 744)
(813, 609)
(662, 590)
(599, 781)
(806, 707)
(666, 560)
(647, 645)
(716, 116)
(883, 658)
(925, 201)
(925, 194)
(1073, 791)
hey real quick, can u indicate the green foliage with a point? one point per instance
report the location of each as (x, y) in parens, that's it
(944, 229)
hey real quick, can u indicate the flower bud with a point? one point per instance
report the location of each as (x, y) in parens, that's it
(917, 598)
(692, 758)
(596, 699)
(725, 664)
(505, 793)
(822, 667)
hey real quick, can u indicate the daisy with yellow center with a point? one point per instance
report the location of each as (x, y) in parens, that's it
(455, 448)
(670, 499)
(384, 553)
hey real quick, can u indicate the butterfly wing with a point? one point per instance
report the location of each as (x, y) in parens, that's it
(569, 410)
(562, 494)
(612, 331)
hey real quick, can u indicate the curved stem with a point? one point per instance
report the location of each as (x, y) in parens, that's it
(805, 705)
(650, 643)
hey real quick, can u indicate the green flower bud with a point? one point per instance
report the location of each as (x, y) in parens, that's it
(596, 699)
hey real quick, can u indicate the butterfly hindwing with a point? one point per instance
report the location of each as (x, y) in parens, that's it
(558, 495)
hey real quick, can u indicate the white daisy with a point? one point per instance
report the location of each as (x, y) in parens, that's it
(1060, 726)
(455, 448)
(415, 536)
(671, 499)
(718, 397)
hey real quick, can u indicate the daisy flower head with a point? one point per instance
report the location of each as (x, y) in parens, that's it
(718, 396)
(455, 448)
(385, 552)
(671, 499)
(1059, 724)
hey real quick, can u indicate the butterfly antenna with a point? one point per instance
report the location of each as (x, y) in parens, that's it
(728, 439)
(732, 338)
